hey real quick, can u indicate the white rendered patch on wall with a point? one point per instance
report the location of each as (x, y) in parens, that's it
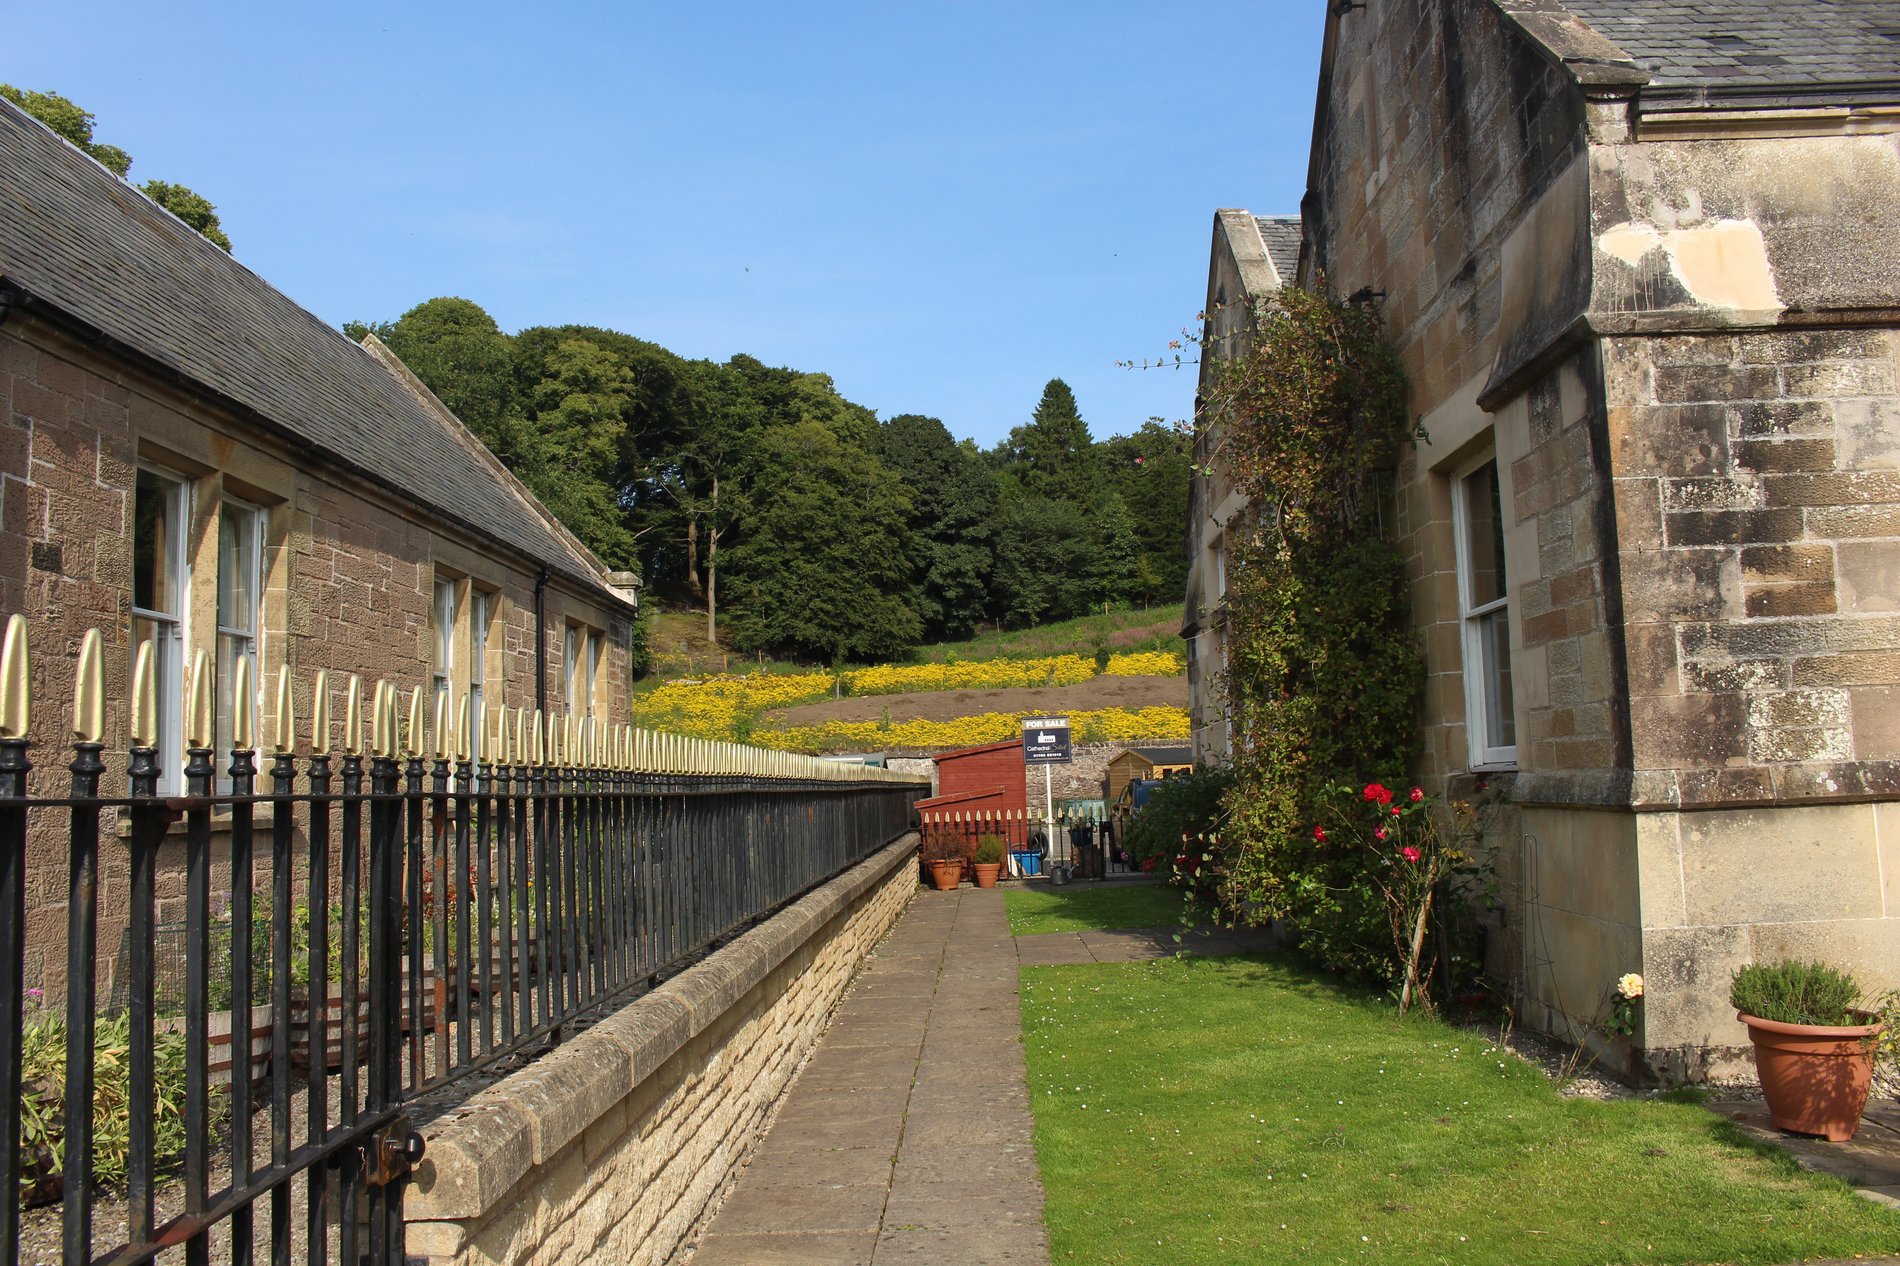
(1723, 264)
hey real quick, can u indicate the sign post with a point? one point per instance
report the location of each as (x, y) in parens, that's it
(1046, 743)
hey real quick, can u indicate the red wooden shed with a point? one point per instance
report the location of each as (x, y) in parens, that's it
(980, 790)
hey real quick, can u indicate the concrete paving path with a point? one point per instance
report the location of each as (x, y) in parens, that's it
(907, 1137)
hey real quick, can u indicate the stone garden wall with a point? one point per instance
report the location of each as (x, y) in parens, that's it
(615, 1146)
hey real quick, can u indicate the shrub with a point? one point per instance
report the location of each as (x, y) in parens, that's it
(43, 1097)
(1185, 808)
(989, 849)
(1789, 992)
(1324, 676)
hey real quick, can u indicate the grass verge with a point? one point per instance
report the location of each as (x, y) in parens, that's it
(1036, 908)
(1239, 1110)
(1155, 629)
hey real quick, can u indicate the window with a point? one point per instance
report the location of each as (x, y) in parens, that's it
(481, 609)
(444, 642)
(159, 582)
(596, 645)
(240, 597)
(581, 662)
(1484, 617)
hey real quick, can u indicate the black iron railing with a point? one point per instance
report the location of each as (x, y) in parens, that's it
(361, 928)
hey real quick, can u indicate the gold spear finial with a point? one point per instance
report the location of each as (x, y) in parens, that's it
(286, 714)
(443, 746)
(320, 715)
(521, 736)
(381, 738)
(353, 717)
(144, 697)
(461, 729)
(16, 690)
(244, 708)
(537, 751)
(413, 744)
(198, 704)
(498, 736)
(89, 692)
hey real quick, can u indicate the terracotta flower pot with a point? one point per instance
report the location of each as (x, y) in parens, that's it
(947, 874)
(1814, 1076)
(986, 873)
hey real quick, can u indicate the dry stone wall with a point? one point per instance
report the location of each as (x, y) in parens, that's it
(616, 1146)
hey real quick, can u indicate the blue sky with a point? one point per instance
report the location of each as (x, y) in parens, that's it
(940, 206)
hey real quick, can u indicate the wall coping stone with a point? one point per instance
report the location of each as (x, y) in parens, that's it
(477, 1153)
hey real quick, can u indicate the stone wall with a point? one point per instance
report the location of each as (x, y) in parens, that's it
(615, 1146)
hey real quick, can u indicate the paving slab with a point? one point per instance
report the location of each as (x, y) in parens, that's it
(886, 1132)
(1869, 1162)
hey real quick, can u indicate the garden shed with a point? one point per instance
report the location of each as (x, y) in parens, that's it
(1144, 762)
(980, 785)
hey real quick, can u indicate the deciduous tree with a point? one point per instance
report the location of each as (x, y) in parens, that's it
(824, 570)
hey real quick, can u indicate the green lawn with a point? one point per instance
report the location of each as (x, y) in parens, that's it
(1239, 1110)
(1081, 907)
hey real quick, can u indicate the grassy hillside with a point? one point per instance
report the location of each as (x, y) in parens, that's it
(1118, 675)
(1153, 629)
(680, 648)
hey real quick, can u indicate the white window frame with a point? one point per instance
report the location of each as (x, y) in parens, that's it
(596, 655)
(1481, 753)
(481, 616)
(442, 657)
(249, 642)
(571, 649)
(169, 647)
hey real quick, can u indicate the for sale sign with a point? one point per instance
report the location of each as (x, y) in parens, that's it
(1046, 741)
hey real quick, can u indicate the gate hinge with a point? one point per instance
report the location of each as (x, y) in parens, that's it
(390, 1153)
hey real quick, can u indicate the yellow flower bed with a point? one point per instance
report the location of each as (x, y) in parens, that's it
(712, 707)
(987, 674)
(1145, 664)
(1102, 725)
(724, 705)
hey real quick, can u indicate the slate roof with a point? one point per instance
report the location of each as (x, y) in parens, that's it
(1812, 49)
(1166, 755)
(1281, 236)
(81, 240)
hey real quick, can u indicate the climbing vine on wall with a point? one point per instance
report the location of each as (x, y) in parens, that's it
(1324, 675)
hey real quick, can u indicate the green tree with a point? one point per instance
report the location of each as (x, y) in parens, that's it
(1152, 470)
(459, 352)
(1044, 552)
(192, 208)
(824, 568)
(1116, 554)
(71, 122)
(952, 521)
(575, 445)
(1053, 455)
(75, 124)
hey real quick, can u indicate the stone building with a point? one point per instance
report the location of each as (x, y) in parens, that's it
(191, 458)
(1642, 262)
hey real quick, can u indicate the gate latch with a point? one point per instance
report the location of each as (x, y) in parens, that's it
(390, 1153)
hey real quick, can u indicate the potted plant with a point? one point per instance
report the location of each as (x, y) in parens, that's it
(943, 862)
(1815, 1044)
(989, 860)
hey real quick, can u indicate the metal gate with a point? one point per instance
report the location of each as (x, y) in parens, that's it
(359, 930)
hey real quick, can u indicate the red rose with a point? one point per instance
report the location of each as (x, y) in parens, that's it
(1319, 833)
(1396, 811)
(1417, 794)
(1377, 794)
(1381, 833)
(1410, 854)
